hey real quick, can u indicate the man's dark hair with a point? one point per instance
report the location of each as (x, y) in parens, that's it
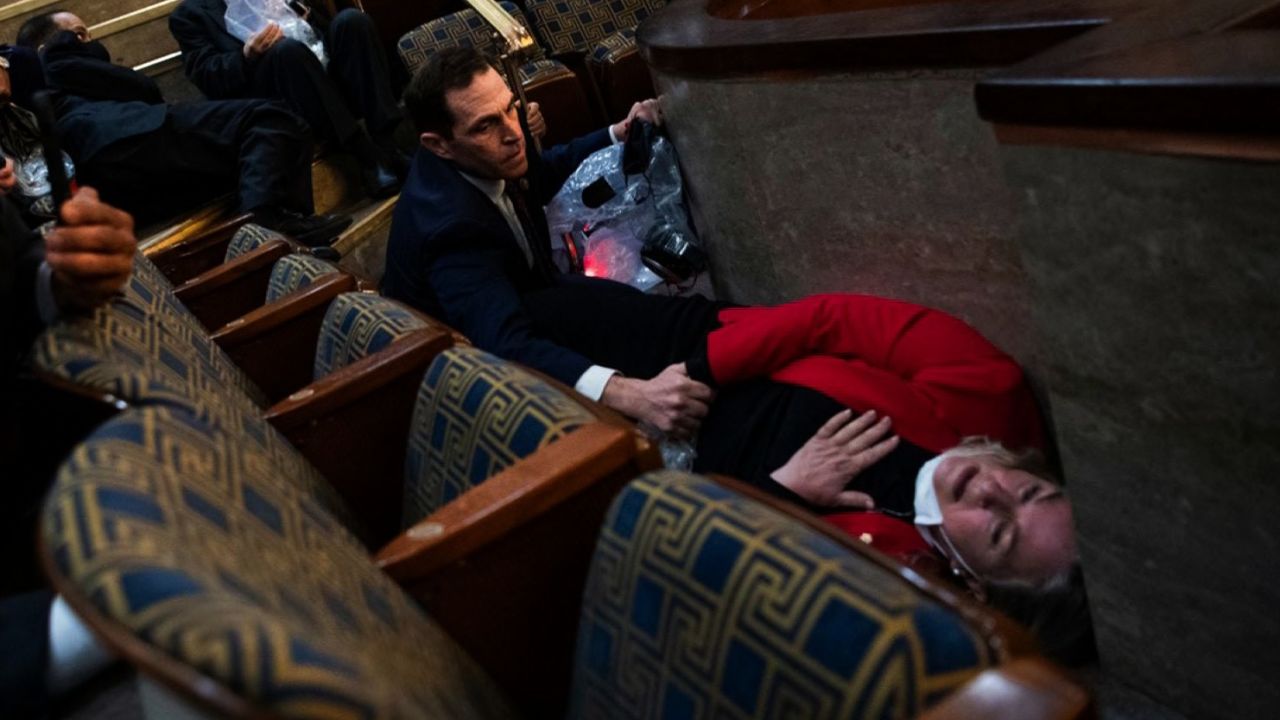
(448, 69)
(37, 30)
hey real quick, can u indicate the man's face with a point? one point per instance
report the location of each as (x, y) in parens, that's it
(69, 21)
(487, 140)
(1008, 525)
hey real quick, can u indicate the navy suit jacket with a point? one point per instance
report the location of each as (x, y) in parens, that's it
(452, 255)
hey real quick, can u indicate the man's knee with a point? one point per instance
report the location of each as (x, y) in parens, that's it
(288, 53)
(351, 22)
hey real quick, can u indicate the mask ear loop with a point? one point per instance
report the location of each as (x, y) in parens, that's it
(939, 539)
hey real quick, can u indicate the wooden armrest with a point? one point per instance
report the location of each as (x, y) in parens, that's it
(500, 504)
(227, 291)
(1027, 688)
(189, 258)
(275, 345)
(518, 547)
(353, 426)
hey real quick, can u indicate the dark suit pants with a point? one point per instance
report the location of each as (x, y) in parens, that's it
(617, 326)
(203, 150)
(356, 84)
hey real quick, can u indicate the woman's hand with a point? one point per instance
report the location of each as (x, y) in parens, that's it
(843, 447)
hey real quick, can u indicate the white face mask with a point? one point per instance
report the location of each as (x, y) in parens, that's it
(929, 514)
(928, 511)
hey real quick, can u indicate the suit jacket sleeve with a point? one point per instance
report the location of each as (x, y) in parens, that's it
(937, 377)
(71, 68)
(466, 273)
(218, 72)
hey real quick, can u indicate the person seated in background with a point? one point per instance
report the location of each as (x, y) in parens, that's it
(75, 266)
(270, 65)
(469, 238)
(155, 160)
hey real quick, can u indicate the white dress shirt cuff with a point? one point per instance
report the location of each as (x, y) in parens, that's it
(592, 382)
(612, 138)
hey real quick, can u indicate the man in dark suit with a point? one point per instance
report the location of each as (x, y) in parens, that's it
(269, 65)
(469, 241)
(155, 160)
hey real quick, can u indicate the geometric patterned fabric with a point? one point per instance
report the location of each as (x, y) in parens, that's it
(475, 416)
(614, 47)
(294, 272)
(701, 602)
(249, 237)
(146, 348)
(143, 332)
(577, 26)
(186, 538)
(467, 29)
(464, 28)
(358, 325)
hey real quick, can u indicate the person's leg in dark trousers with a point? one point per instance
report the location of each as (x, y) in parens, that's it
(158, 175)
(617, 326)
(289, 71)
(265, 145)
(359, 66)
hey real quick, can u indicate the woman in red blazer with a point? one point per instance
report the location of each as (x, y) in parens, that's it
(789, 379)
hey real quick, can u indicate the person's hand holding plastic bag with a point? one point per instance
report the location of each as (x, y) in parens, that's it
(613, 214)
(246, 18)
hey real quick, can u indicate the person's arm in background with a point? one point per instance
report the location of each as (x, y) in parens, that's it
(466, 274)
(559, 162)
(219, 73)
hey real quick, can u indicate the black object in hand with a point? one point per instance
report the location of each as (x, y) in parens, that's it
(597, 193)
(42, 105)
(638, 150)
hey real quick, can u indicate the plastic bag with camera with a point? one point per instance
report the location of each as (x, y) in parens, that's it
(622, 215)
(246, 18)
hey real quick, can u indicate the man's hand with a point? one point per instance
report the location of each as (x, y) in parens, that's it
(262, 41)
(537, 123)
(7, 177)
(647, 110)
(843, 447)
(671, 402)
(91, 253)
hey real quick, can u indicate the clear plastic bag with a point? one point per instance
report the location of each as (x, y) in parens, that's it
(246, 18)
(615, 231)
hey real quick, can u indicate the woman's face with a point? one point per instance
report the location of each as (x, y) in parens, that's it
(1008, 525)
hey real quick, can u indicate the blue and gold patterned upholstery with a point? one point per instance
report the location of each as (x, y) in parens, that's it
(178, 534)
(704, 603)
(475, 416)
(577, 26)
(146, 331)
(461, 29)
(358, 325)
(614, 48)
(250, 237)
(294, 272)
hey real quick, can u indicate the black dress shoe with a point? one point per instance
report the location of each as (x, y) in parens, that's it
(379, 180)
(310, 230)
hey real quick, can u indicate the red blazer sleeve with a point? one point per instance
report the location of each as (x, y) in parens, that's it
(937, 377)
